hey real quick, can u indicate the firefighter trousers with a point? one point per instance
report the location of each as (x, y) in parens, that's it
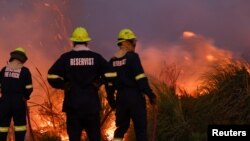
(77, 122)
(128, 108)
(18, 114)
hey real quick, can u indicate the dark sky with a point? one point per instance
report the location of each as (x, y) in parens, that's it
(36, 22)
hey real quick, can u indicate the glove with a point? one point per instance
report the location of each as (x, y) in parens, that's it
(152, 99)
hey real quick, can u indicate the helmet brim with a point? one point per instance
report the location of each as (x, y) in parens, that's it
(77, 40)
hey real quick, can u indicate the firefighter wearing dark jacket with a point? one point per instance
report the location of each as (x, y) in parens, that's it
(78, 72)
(16, 88)
(131, 84)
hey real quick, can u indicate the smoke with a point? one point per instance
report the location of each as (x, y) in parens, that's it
(193, 55)
(42, 27)
(162, 21)
(35, 27)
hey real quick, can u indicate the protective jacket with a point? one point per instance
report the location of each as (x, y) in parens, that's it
(79, 74)
(131, 84)
(16, 88)
(130, 74)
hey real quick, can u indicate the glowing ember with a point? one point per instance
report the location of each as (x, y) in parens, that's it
(210, 57)
(47, 4)
(188, 34)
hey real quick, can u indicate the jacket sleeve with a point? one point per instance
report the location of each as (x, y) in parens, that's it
(104, 68)
(56, 74)
(109, 77)
(139, 75)
(28, 84)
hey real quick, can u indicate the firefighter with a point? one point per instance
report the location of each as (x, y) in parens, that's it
(130, 86)
(16, 88)
(79, 72)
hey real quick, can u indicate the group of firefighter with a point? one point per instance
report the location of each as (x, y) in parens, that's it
(79, 73)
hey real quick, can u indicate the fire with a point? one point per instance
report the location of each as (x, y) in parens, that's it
(192, 56)
(210, 57)
(188, 34)
(186, 58)
(109, 131)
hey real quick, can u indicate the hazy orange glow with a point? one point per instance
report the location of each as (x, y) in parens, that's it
(109, 130)
(193, 56)
(210, 57)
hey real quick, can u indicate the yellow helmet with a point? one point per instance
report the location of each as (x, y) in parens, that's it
(125, 34)
(19, 54)
(20, 49)
(80, 34)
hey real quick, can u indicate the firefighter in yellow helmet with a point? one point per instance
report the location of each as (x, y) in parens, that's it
(78, 73)
(16, 88)
(131, 85)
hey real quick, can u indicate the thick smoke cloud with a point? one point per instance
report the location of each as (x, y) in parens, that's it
(226, 21)
(38, 27)
(34, 25)
(161, 21)
(43, 27)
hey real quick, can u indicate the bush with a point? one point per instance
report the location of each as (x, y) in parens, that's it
(49, 136)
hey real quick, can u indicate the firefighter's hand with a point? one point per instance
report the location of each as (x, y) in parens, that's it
(152, 99)
(0, 94)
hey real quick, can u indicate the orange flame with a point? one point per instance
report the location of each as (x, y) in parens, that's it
(194, 55)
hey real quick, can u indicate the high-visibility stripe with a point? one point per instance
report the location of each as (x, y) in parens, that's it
(110, 74)
(20, 128)
(54, 76)
(140, 76)
(29, 86)
(4, 129)
(117, 139)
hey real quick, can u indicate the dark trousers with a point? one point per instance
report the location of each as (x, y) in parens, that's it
(76, 123)
(18, 113)
(131, 108)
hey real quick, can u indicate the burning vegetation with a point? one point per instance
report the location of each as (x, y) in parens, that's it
(196, 83)
(222, 98)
